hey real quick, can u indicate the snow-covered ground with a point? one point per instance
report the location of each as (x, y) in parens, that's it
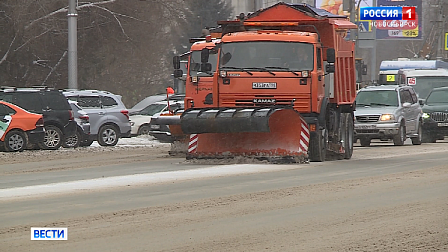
(138, 141)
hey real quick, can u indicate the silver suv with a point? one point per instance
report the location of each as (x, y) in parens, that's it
(109, 118)
(388, 112)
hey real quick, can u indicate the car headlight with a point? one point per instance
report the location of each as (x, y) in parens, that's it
(425, 116)
(155, 126)
(387, 117)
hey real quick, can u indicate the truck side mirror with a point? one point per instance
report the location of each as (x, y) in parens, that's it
(421, 102)
(331, 55)
(178, 73)
(205, 53)
(176, 62)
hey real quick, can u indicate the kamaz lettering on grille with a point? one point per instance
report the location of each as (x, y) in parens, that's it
(264, 100)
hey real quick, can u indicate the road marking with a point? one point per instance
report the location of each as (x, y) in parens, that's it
(139, 179)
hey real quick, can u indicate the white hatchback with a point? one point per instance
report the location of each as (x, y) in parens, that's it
(140, 119)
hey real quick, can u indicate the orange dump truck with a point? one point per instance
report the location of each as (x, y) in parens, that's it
(281, 86)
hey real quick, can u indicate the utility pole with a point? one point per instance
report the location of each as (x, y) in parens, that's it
(441, 20)
(72, 45)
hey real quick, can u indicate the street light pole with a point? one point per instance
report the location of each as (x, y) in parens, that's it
(72, 45)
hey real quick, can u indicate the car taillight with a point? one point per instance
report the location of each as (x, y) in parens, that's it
(72, 115)
(40, 122)
(126, 113)
(84, 118)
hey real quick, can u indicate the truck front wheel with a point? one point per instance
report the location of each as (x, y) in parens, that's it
(318, 146)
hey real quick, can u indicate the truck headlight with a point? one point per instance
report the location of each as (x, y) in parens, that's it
(305, 74)
(223, 74)
(425, 116)
(387, 117)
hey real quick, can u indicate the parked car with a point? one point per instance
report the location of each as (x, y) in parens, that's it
(109, 118)
(435, 115)
(141, 114)
(58, 116)
(160, 122)
(83, 127)
(388, 112)
(19, 127)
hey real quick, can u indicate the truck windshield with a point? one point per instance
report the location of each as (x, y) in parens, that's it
(272, 55)
(424, 84)
(195, 64)
(377, 98)
(437, 97)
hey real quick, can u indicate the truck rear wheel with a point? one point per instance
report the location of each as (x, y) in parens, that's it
(349, 135)
(318, 146)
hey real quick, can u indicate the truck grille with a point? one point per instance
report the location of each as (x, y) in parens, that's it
(439, 116)
(368, 119)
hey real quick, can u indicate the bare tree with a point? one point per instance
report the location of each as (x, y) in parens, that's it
(124, 46)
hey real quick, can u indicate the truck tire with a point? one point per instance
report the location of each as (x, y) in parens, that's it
(418, 140)
(349, 134)
(318, 146)
(400, 137)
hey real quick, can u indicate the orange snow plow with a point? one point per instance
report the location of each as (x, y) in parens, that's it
(248, 132)
(270, 76)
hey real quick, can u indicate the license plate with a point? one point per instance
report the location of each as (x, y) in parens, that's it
(442, 124)
(365, 126)
(264, 85)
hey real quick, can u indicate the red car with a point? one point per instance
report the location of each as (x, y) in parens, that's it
(19, 127)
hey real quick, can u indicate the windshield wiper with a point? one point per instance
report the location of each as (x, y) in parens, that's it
(237, 68)
(283, 68)
(262, 69)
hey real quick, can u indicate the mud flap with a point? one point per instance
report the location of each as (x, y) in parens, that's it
(267, 132)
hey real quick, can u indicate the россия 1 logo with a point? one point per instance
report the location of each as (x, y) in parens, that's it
(387, 13)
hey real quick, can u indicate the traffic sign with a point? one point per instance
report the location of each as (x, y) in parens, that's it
(364, 26)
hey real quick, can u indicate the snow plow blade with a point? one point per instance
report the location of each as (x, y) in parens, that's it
(262, 132)
(167, 119)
